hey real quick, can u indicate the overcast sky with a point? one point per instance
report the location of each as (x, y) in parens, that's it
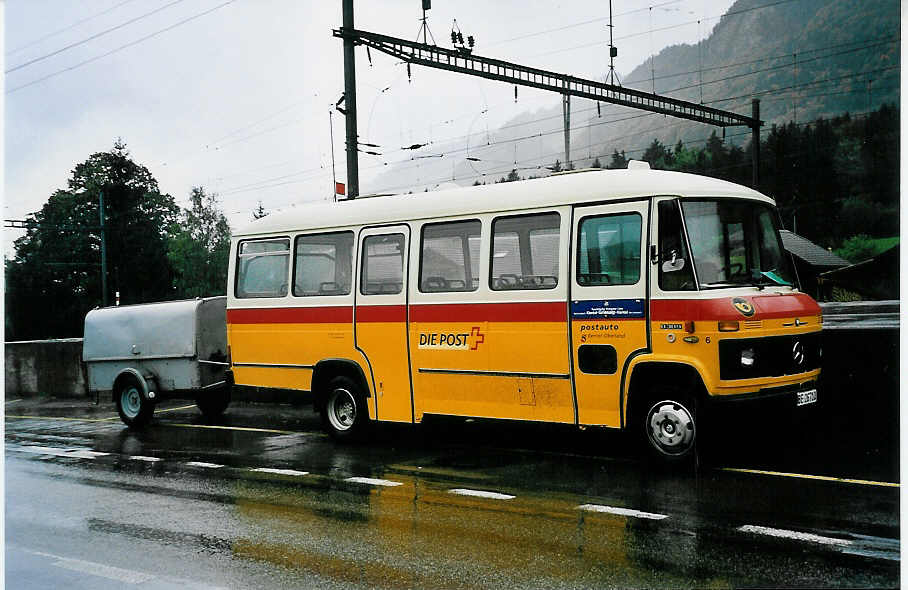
(236, 98)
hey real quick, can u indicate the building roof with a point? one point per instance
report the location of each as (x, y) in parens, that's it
(551, 191)
(812, 254)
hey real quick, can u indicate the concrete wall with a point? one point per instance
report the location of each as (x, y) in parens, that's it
(45, 367)
(860, 362)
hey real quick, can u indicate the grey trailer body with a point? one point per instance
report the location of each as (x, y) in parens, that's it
(143, 353)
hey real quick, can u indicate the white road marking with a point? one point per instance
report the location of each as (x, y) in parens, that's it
(117, 574)
(12, 401)
(144, 458)
(373, 482)
(481, 494)
(203, 464)
(796, 535)
(621, 511)
(58, 452)
(279, 471)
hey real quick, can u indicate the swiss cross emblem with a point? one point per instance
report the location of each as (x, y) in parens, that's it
(477, 337)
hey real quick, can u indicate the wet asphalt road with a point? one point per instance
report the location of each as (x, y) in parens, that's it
(262, 499)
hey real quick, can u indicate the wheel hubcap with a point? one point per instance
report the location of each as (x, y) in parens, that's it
(670, 428)
(342, 410)
(131, 402)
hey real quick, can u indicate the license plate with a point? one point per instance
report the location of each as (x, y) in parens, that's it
(807, 397)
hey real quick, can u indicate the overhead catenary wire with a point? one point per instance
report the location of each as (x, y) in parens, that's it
(665, 28)
(121, 47)
(265, 183)
(725, 66)
(548, 157)
(92, 37)
(67, 28)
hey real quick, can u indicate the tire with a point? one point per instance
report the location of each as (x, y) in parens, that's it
(344, 414)
(134, 409)
(669, 429)
(213, 403)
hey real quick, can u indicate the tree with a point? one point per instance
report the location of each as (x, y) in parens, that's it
(55, 276)
(258, 212)
(619, 161)
(858, 249)
(200, 248)
(556, 167)
(658, 156)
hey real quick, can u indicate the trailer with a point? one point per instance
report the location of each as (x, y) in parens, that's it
(141, 354)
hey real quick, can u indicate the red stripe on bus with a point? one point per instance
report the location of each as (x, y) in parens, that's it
(490, 312)
(339, 314)
(766, 307)
(381, 313)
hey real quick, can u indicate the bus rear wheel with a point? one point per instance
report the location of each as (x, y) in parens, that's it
(344, 414)
(670, 429)
(213, 403)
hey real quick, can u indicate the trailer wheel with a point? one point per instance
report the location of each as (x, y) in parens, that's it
(213, 403)
(134, 409)
(344, 414)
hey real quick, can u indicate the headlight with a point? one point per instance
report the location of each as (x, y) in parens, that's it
(747, 357)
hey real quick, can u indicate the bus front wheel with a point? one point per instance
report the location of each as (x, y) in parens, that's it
(344, 414)
(670, 429)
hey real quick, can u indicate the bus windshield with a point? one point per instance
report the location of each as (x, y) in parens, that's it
(736, 243)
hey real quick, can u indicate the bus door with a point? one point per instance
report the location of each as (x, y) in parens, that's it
(381, 319)
(607, 304)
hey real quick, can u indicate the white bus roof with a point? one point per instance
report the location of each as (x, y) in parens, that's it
(551, 191)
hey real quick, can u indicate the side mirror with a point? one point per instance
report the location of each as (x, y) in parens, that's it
(673, 265)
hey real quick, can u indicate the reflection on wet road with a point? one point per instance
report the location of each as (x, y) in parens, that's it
(265, 500)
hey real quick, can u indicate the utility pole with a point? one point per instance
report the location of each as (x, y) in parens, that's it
(350, 102)
(333, 173)
(755, 141)
(103, 251)
(566, 108)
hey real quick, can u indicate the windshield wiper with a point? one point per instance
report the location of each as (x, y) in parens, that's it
(772, 276)
(765, 278)
(721, 284)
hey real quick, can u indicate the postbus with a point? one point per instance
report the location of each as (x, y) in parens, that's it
(629, 299)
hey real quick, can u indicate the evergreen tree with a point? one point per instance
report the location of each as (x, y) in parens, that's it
(658, 156)
(200, 248)
(619, 161)
(55, 276)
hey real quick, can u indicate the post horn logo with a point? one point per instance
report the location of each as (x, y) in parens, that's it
(745, 307)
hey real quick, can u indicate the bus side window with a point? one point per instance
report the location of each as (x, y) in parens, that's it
(675, 265)
(525, 252)
(262, 268)
(609, 250)
(323, 264)
(383, 265)
(450, 257)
